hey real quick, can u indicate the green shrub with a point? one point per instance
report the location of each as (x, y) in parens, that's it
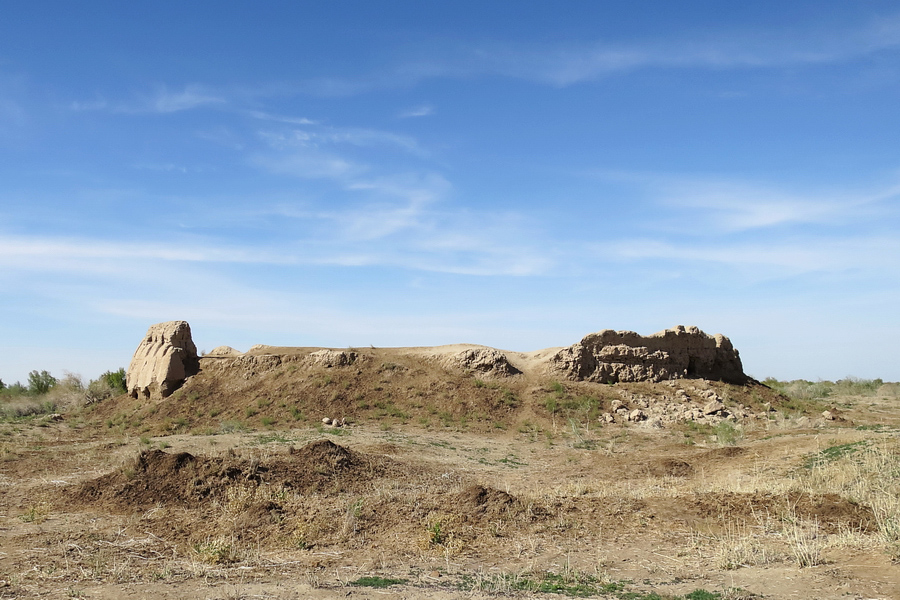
(726, 433)
(109, 385)
(40, 383)
(377, 582)
(115, 380)
(802, 389)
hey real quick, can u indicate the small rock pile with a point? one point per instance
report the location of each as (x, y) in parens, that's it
(701, 406)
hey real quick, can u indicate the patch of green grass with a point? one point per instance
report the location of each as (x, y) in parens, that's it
(336, 431)
(584, 444)
(374, 581)
(568, 584)
(551, 404)
(442, 444)
(509, 398)
(580, 587)
(726, 433)
(512, 461)
(703, 595)
(271, 438)
(871, 427)
(386, 408)
(802, 389)
(833, 453)
(232, 427)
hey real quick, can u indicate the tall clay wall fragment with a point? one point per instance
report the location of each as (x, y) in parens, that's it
(681, 352)
(163, 360)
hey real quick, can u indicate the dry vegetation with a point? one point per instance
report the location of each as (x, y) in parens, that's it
(446, 485)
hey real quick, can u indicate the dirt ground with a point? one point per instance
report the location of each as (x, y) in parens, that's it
(108, 503)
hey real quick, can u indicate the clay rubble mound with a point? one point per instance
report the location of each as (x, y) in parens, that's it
(167, 356)
(624, 356)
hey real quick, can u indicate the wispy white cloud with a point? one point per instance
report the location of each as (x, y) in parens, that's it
(314, 137)
(262, 115)
(423, 110)
(396, 203)
(564, 64)
(60, 253)
(734, 206)
(163, 167)
(88, 105)
(161, 101)
(309, 164)
(764, 258)
(397, 221)
(728, 205)
(190, 97)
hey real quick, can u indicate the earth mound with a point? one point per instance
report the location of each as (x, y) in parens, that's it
(480, 501)
(831, 512)
(487, 361)
(156, 477)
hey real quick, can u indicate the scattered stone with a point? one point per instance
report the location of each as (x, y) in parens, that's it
(637, 415)
(828, 415)
(162, 362)
(713, 408)
(607, 418)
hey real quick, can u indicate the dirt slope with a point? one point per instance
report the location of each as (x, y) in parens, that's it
(430, 387)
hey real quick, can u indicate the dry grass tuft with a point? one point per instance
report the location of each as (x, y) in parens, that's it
(868, 475)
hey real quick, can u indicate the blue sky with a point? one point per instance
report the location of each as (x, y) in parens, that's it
(514, 174)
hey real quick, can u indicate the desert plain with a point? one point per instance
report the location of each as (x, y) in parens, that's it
(432, 472)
